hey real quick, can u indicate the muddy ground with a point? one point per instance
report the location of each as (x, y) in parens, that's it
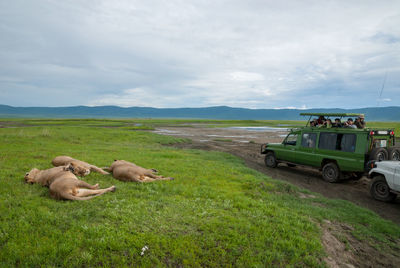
(245, 143)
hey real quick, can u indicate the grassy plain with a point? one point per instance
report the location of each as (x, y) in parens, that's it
(152, 123)
(217, 212)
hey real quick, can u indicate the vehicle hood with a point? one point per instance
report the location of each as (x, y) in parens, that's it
(388, 164)
(274, 143)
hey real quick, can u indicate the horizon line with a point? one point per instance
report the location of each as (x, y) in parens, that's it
(205, 107)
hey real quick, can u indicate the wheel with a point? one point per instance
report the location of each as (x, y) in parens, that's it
(379, 154)
(331, 172)
(291, 165)
(270, 160)
(394, 154)
(380, 190)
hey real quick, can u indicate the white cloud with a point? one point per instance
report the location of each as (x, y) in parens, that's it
(257, 54)
(303, 107)
(132, 97)
(246, 76)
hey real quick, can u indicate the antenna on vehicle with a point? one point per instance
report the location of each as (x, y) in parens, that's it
(383, 86)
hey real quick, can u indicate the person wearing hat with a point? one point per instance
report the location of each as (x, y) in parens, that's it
(360, 122)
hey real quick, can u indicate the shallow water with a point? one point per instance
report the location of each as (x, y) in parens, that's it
(171, 132)
(269, 129)
(230, 136)
(234, 134)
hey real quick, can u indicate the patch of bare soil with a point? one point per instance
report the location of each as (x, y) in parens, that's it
(11, 124)
(342, 248)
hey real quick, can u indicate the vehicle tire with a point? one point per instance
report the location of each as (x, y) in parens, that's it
(290, 165)
(331, 172)
(270, 160)
(379, 154)
(380, 190)
(394, 153)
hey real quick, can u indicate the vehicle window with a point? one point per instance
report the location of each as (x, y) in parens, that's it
(291, 139)
(348, 142)
(380, 143)
(340, 142)
(327, 141)
(309, 140)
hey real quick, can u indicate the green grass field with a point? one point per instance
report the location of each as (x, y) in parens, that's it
(152, 123)
(217, 212)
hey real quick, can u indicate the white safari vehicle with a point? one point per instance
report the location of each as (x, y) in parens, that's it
(385, 183)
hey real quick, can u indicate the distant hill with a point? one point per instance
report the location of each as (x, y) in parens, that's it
(219, 112)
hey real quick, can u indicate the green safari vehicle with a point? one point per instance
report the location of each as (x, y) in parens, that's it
(336, 151)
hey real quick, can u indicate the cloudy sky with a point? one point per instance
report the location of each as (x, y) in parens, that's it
(186, 53)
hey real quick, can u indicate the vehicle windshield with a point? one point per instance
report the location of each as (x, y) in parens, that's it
(291, 139)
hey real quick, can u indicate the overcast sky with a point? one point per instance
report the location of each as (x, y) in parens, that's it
(252, 54)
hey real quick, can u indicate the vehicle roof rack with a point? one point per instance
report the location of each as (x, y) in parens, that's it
(340, 115)
(332, 114)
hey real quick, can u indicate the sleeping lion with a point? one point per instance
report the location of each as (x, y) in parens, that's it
(126, 171)
(65, 160)
(63, 183)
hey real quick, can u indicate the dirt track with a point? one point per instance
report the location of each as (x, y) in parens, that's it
(246, 145)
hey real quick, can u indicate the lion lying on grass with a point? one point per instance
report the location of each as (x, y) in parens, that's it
(63, 183)
(65, 160)
(125, 171)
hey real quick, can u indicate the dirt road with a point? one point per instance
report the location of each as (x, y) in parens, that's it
(245, 143)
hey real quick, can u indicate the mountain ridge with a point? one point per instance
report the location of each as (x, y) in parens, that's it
(390, 113)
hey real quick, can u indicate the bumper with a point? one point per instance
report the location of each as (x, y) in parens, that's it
(263, 148)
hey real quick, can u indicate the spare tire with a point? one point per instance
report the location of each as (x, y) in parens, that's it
(379, 154)
(394, 153)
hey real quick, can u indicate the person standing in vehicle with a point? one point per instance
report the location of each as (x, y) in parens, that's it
(337, 123)
(321, 120)
(313, 123)
(328, 123)
(349, 123)
(360, 123)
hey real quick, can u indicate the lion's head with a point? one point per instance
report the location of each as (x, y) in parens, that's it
(30, 176)
(77, 169)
